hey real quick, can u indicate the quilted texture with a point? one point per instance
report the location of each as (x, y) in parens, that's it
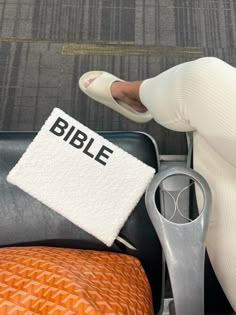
(58, 281)
(61, 169)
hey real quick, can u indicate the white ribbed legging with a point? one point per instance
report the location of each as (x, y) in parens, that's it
(200, 96)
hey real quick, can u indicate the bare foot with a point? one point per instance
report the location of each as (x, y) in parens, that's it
(127, 92)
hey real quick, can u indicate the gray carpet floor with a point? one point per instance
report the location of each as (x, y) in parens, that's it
(46, 45)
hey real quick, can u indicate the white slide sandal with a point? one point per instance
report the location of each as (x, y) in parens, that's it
(99, 90)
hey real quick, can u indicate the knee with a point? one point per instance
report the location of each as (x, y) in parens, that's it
(204, 74)
(209, 61)
(206, 67)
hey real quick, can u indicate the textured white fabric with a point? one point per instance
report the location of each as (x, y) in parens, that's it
(200, 96)
(96, 197)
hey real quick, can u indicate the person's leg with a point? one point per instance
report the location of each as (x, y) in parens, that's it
(195, 95)
(201, 96)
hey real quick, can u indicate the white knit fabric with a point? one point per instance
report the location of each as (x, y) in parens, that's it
(82, 176)
(200, 96)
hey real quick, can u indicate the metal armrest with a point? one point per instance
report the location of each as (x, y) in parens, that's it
(183, 245)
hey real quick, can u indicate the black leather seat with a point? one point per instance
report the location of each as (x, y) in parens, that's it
(26, 221)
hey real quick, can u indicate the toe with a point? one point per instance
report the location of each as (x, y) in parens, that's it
(88, 82)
